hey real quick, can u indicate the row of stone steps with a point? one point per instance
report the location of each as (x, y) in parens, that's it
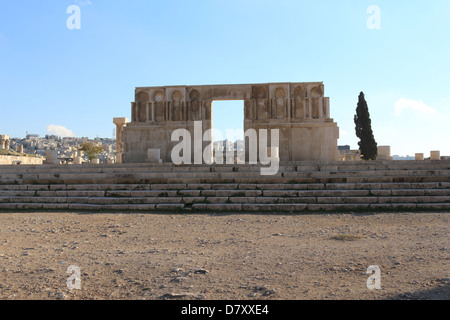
(231, 199)
(391, 185)
(229, 186)
(284, 167)
(227, 207)
(215, 175)
(285, 193)
(237, 178)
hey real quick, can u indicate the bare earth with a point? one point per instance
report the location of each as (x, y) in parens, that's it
(224, 257)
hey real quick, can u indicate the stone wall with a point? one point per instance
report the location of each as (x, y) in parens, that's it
(10, 160)
(299, 110)
(5, 141)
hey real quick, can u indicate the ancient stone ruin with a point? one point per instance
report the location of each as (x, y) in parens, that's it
(5, 141)
(300, 111)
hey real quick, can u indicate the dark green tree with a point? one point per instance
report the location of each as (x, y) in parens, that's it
(367, 144)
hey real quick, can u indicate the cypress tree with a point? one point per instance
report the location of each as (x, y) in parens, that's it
(367, 144)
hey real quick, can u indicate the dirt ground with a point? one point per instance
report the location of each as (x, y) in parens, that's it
(223, 257)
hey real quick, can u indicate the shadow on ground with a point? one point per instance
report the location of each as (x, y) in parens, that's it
(439, 293)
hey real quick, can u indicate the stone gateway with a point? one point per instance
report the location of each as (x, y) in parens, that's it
(300, 112)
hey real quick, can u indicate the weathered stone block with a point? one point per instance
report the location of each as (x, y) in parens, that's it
(404, 206)
(236, 207)
(351, 207)
(300, 207)
(361, 200)
(332, 200)
(267, 200)
(217, 199)
(169, 206)
(29, 206)
(157, 200)
(280, 193)
(141, 207)
(408, 192)
(435, 155)
(190, 200)
(8, 206)
(381, 193)
(434, 206)
(242, 199)
(349, 193)
(435, 199)
(380, 206)
(384, 153)
(268, 207)
(296, 200)
(189, 193)
(320, 207)
(174, 186)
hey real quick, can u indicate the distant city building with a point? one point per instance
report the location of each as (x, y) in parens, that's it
(32, 136)
(66, 148)
(51, 137)
(346, 154)
(221, 148)
(407, 157)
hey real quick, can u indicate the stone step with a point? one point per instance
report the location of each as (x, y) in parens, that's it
(138, 170)
(396, 189)
(230, 186)
(284, 166)
(236, 179)
(297, 187)
(289, 193)
(229, 198)
(242, 174)
(14, 172)
(224, 207)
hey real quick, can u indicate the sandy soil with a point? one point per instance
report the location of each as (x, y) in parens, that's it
(223, 257)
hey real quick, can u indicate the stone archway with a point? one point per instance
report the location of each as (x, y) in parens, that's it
(5, 142)
(299, 110)
(140, 114)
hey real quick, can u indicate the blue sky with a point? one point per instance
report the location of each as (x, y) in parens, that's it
(80, 79)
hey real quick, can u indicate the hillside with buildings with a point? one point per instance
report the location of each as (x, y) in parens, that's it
(66, 148)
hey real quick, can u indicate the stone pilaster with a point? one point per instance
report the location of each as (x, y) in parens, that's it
(120, 124)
